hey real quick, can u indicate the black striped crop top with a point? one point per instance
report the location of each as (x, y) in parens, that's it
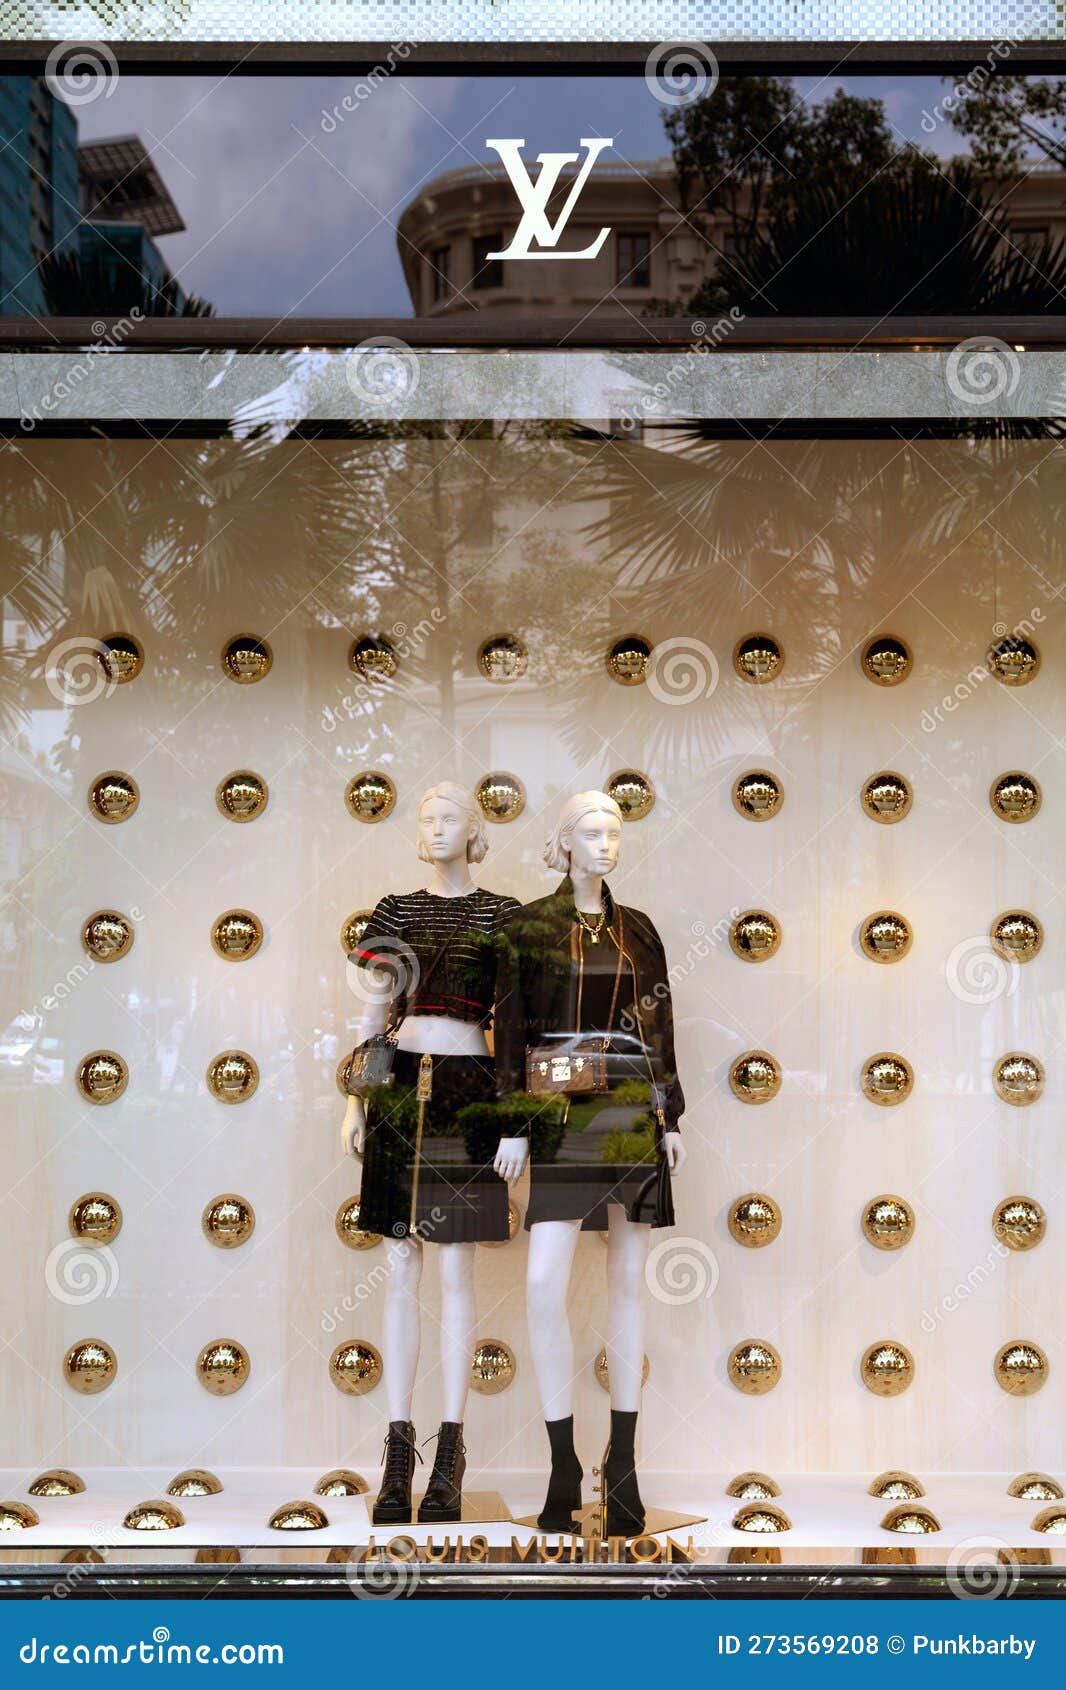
(404, 934)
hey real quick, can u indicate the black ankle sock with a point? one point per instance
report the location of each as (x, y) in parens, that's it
(561, 1438)
(564, 1484)
(623, 1435)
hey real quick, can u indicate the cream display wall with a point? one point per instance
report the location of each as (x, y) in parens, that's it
(569, 546)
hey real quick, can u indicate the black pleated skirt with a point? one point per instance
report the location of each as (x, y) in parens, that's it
(608, 1150)
(441, 1175)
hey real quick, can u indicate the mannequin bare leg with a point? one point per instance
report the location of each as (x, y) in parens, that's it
(458, 1325)
(401, 1332)
(551, 1258)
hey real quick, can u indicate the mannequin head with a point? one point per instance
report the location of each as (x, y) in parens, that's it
(450, 825)
(587, 835)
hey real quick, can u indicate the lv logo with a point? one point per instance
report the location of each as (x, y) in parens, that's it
(536, 236)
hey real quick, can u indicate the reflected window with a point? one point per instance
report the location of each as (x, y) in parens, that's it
(488, 272)
(633, 252)
(441, 272)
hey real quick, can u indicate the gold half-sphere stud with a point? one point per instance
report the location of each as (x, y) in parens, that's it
(887, 1368)
(1015, 797)
(1035, 1487)
(1017, 935)
(501, 797)
(355, 1367)
(896, 1486)
(228, 1221)
(1021, 1368)
(370, 796)
(107, 936)
(755, 1077)
(504, 657)
(761, 1517)
(758, 658)
(58, 1481)
(1050, 1520)
(753, 1487)
(632, 792)
(514, 1221)
(603, 1378)
(754, 1220)
(102, 1076)
(353, 929)
(627, 660)
(195, 1481)
(346, 1223)
(885, 936)
(905, 1517)
(493, 1367)
(121, 658)
(887, 1079)
(886, 797)
(1014, 661)
(223, 1366)
(886, 660)
(341, 1481)
(1018, 1078)
(246, 659)
(1019, 1222)
(758, 795)
(96, 1218)
(113, 796)
(299, 1516)
(233, 1076)
(754, 1367)
(755, 936)
(90, 1366)
(236, 935)
(888, 1222)
(242, 796)
(17, 1516)
(374, 658)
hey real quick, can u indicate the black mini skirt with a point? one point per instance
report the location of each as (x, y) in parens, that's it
(608, 1150)
(436, 1173)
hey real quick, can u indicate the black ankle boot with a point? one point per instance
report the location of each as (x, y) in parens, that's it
(625, 1511)
(393, 1502)
(563, 1500)
(444, 1493)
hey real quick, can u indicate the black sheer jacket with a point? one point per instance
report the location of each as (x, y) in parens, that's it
(536, 992)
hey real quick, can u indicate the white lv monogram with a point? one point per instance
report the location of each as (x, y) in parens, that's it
(535, 231)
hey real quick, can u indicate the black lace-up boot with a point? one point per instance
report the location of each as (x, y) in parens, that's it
(563, 1500)
(625, 1511)
(444, 1493)
(393, 1502)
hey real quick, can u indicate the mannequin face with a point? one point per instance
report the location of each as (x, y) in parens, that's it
(444, 830)
(593, 843)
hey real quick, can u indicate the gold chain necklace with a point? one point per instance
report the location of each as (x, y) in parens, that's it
(592, 928)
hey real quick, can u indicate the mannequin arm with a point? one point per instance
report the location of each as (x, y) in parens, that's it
(676, 1154)
(353, 1129)
(511, 1156)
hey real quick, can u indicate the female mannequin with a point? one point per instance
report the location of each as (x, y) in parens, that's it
(431, 956)
(565, 973)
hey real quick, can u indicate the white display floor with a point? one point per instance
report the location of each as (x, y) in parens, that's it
(833, 1519)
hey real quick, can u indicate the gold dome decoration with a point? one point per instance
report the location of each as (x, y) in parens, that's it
(1019, 1222)
(242, 796)
(154, 1516)
(906, 1518)
(232, 1077)
(500, 797)
(1035, 1487)
(236, 935)
(370, 796)
(1017, 936)
(107, 936)
(341, 1481)
(753, 1487)
(493, 1367)
(754, 1367)
(887, 1368)
(754, 1555)
(755, 936)
(121, 658)
(886, 797)
(888, 1222)
(1015, 797)
(352, 931)
(17, 1516)
(373, 658)
(195, 1481)
(887, 1079)
(217, 1555)
(113, 796)
(603, 1378)
(228, 1221)
(503, 658)
(95, 1217)
(1050, 1520)
(758, 658)
(632, 792)
(514, 1221)
(246, 659)
(885, 936)
(58, 1481)
(90, 1366)
(896, 1486)
(761, 1517)
(755, 1077)
(83, 1553)
(757, 795)
(754, 1220)
(1021, 1368)
(1014, 661)
(223, 1366)
(346, 1223)
(886, 660)
(102, 1076)
(298, 1517)
(341, 1071)
(1018, 1078)
(627, 660)
(355, 1367)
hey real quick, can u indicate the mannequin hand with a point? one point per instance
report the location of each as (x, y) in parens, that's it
(353, 1128)
(511, 1157)
(676, 1154)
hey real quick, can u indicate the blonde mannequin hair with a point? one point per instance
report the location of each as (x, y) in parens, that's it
(477, 846)
(556, 854)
